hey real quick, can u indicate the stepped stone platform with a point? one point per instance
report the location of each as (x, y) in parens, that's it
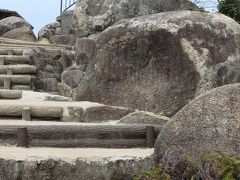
(46, 136)
(73, 164)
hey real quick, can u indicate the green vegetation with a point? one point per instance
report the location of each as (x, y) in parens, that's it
(230, 8)
(213, 166)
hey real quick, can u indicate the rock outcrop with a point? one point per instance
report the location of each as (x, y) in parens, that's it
(142, 117)
(92, 16)
(16, 28)
(160, 62)
(72, 77)
(210, 122)
(50, 65)
(23, 33)
(49, 30)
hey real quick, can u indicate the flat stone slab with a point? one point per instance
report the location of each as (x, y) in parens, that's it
(72, 154)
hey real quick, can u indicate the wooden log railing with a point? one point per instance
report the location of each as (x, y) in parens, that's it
(96, 136)
(42, 112)
(10, 94)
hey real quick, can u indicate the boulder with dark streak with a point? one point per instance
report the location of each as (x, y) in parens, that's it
(160, 62)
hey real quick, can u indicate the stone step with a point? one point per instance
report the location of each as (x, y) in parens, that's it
(13, 59)
(94, 135)
(18, 69)
(15, 79)
(10, 94)
(71, 111)
(21, 87)
(10, 51)
(74, 163)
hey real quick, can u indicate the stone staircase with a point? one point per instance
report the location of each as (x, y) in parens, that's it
(94, 124)
(30, 120)
(16, 71)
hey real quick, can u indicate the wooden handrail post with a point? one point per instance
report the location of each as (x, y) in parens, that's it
(10, 52)
(22, 137)
(2, 61)
(26, 114)
(7, 83)
(150, 137)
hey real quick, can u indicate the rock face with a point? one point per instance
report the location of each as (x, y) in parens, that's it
(50, 66)
(142, 117)
(160, 62)
(16, 28)
(72, 77)
(106, 169)
(91, 16)
(50, 30)
(96, 113)
(210, 122)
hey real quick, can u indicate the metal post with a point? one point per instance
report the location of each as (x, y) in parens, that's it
(61, 5)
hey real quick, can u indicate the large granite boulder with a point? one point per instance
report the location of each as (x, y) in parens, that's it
(160, 62)
(23, 33)
(91, 16)
(210, 122)
(16, 28)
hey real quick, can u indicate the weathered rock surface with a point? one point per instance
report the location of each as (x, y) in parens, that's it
(72, 77)
(50, 65)
(81, 169)
(95, 113)
(160, 62)
(210, 122)
(91, 16)
(11, 26)
(49, 30)
(64, 90)
(23, 33)
(142, 117)
(54, 33)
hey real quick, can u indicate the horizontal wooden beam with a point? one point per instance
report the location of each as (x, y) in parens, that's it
(117, 136)
(36, 111)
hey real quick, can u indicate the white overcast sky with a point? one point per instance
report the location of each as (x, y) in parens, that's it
(37, 12)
